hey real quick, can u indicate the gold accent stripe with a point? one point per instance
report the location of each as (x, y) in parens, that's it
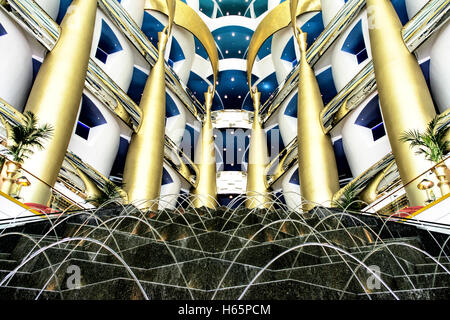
(428, 206)
(4, 195)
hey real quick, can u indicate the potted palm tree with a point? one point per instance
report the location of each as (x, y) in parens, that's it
(433, 144)
(23, 138)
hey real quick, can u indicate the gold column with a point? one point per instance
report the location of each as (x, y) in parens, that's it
(144, 164)
(318, 173)
(257, 193)
(206, 189)
(56, 94)
(405, 100)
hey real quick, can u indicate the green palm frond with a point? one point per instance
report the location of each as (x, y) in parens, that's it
(432, 144)
(110, 191)
(27, 136)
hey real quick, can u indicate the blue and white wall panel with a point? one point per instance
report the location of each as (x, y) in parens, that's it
(285, 51)
(180, 52)
(16, 67)
(440, 68)
(351, 52)
(291, 189)
(51, 7)
(135, 9)
(330, 8)
(112, 51)
(96, 136)
(414, 6)
(175, 118)
(364, 136)
(170, 188)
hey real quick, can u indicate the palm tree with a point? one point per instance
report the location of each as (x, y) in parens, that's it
(110, 191)
(349, 199)
(27, 136)
(432, 143)
(22, 139)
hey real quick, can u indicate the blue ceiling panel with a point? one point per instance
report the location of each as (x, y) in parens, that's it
(232, 41)
(232, 87)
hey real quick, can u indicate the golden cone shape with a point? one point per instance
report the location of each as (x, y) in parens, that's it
(405, 100)
(205, 158)
(144, 164)
(318, 173)
(56, 94)
(257, 193)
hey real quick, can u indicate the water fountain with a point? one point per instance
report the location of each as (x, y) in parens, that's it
(121, 252)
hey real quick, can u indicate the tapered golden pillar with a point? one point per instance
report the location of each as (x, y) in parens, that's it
(144, 164)
(405, 100)
(56, 95)
(205, 158)
(318, 173)
(257, 193)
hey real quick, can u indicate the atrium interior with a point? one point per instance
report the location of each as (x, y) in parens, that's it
(264, 142)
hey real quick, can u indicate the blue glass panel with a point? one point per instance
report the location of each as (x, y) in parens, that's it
(378, 131)
(341, 160)
(166, 178)
(90, 115)
(226, 200)
(362, 56)
(313, 27)
(108, 41)
(288, 53)
(2, 30)
(137, 85)
(150, 27)
(119, 162)
(326, 85)
(355, 44)
(198, 87)
(294, 178)
(370, 116)
(400, 8)
(176, 53)
(63, 6)
(425, 66)
(36, 66)
(291, 109)
(101, 55)
(171, 107)
(82, 130)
